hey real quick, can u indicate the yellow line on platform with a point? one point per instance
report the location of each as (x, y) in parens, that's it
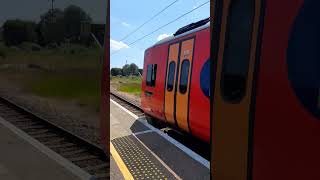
(123, 168)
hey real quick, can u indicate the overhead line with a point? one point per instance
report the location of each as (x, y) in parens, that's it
(168, 23)
(148, 20)
(164, 25)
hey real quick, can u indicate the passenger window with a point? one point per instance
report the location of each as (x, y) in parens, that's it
(149, 74)
(237, 51)
(184, 76)
(154, 75)
(205, 79)
(172, 67)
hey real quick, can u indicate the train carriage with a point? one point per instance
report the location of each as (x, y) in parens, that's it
(266, 105)
(175, 85)
(105, 89)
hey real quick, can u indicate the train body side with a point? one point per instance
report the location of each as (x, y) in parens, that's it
(198, 111)
(266, 102)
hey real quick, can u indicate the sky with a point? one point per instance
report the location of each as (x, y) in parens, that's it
(32, 9)
(127, 15)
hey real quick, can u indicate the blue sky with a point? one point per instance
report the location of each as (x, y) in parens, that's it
(127, 15)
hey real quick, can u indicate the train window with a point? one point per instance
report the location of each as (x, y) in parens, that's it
(303, 58)
(237, 51)
(149, 74)
(205, 79)
(172, 67)
(154, 75)
(184, 76)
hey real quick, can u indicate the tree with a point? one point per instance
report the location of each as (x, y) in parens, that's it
(73, 17)
(51, 27)
(116, 71)
(17, 31)
(133, 69)
(125, 70)
(130, 70)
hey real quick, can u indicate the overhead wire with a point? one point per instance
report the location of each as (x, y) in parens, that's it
(139, 39)
(125, 37)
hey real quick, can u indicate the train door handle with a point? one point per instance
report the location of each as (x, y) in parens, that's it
(148, 93)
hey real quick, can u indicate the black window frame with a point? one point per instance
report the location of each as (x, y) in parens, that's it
(154, 74)
(171, 76)
(184, 78)
(151, 75)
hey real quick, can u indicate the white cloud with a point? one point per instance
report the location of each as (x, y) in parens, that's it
(117, 45)
(193, 7)
(162, 36)
(125, 24)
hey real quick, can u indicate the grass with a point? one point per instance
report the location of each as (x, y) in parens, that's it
(85, 89)
(71, 75)
(131, 85)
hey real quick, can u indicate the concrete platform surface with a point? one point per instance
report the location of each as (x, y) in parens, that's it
(143, 152)
(20, 160)
(115, 173)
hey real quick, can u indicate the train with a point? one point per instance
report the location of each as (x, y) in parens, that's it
(105, 88)
(257, 88)
(176, 81)
(265, 90)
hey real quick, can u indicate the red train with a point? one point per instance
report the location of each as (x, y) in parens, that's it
(105, 88)
(266, 97)
(176, 85)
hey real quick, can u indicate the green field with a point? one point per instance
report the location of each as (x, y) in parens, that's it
(131, 84)
(66, 73)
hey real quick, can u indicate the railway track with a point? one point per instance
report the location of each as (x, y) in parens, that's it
(88, 156)
(201, 148)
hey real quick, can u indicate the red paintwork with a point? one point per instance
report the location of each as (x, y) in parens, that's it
(199, 109)
(105, 88)
(286, 136)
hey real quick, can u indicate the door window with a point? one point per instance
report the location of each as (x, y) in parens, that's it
(184, 76)
(172, 67)
(237, 51)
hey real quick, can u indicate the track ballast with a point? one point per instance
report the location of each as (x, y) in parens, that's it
(88, 156)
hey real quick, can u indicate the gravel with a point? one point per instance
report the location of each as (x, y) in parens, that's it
(67, 114)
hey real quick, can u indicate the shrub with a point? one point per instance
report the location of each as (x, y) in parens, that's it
(17, 31)
(3, 53)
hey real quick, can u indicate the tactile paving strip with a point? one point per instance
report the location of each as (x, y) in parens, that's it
(140, 162)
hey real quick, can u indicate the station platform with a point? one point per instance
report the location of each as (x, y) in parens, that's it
(141, 151)
(23, 158)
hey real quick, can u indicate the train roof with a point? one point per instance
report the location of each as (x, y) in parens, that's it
(189, 29)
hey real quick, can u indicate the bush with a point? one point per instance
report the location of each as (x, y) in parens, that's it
(3, 53)
(29, 46)
(52, 46)
(17, 31)
(116, 71)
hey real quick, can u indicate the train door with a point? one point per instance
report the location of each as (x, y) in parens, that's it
(179, 66)
(237, 32)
